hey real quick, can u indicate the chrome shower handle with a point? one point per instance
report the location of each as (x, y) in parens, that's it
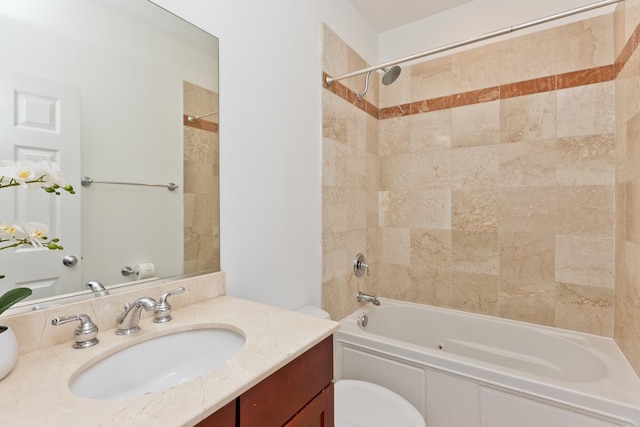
(359, 265)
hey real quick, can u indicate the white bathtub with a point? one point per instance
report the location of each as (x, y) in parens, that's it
(467, 370)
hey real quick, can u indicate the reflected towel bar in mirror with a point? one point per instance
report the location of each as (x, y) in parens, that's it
(86, 181)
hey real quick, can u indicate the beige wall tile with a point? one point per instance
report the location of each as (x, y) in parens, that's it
(513, 56)
(430, 208)
(632, 198)
(432, 285)
(585, 110)
(584, 308)
(475, 252)
(334, 53)
(528, 164)
(527, 259)
(334, 209)
(395, 172)
(475, 167)
(631, 153)
(477, 293)
(531, 209)
(586, 44)
(474, 125)
(585, 260)
(357, 129)
(395, 246)
(356, 163)
(334, 163)
(431, 169)
(533, 308)
(395, 136)
(430, 131)
(430, 249)
(586, 160)
(528, 118)
(471, 70)
(474, 209)
(630, 86)
(334, 118)
(585, 210)
(431, 79)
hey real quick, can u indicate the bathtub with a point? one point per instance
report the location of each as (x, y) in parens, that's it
(467, 370)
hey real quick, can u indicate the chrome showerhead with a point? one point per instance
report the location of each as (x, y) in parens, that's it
(391, 75)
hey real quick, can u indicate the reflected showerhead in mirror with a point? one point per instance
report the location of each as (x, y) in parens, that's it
(194, 118)
(391, 75)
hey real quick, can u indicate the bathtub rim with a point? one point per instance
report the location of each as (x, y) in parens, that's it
(619, 389)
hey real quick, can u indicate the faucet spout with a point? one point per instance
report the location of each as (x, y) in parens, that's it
(128, 321)
(362, 297)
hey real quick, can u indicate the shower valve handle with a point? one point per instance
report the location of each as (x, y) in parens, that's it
(359, 265)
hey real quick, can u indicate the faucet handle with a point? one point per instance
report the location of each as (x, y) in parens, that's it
(86, 334)
(163, 308)
(360, 264)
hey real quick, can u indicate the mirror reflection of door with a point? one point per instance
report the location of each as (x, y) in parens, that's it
(40, 120)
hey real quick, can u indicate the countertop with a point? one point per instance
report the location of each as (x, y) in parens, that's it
(36, 391)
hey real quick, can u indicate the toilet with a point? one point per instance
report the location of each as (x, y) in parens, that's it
(364, 404)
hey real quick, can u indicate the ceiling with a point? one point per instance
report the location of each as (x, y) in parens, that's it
(387, 14)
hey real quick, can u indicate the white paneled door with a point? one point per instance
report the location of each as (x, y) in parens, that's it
(40, 119)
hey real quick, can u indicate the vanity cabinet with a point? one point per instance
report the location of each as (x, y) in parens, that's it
(298, 395)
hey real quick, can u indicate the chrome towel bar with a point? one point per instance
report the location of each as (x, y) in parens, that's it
(87, 181)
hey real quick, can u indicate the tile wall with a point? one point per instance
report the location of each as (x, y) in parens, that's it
(201, 181)
(506, 179)
(627, 180)
(497, 179)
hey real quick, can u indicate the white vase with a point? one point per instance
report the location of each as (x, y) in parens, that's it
(8, 350)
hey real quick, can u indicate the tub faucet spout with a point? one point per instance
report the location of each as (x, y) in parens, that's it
(362, 297)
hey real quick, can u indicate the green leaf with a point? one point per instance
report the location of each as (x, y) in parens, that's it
(13, 296)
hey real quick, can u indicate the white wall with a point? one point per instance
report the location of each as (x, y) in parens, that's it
(473, 19)
(270, 137)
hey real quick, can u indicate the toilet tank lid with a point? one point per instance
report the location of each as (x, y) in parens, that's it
(314, 311)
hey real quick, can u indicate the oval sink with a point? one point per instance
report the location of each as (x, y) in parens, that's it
(157, 364)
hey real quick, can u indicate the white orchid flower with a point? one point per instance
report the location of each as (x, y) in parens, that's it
(20, 171)
(7, 232)
(34, 232)
(51, 171)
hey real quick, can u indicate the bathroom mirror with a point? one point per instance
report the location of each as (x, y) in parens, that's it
(122, 92)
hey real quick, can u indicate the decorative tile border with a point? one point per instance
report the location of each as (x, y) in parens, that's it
(201, 124)
(528, 87)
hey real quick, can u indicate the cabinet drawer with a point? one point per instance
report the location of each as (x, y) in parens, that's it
(280, 396)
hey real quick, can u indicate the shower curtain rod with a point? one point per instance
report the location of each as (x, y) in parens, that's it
(329, 80)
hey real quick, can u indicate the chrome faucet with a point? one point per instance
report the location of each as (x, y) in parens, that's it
(127, 322)
(97, 288)
(362, 297)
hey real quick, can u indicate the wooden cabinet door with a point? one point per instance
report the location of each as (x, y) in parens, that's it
(279, 397)
(317, 413)
(223, 417)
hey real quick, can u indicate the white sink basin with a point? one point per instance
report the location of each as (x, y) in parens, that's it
(157, 364)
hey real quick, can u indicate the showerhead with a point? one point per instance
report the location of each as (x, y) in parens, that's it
(391, 75)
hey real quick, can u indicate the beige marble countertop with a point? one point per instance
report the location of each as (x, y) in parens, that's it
(36, 391)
